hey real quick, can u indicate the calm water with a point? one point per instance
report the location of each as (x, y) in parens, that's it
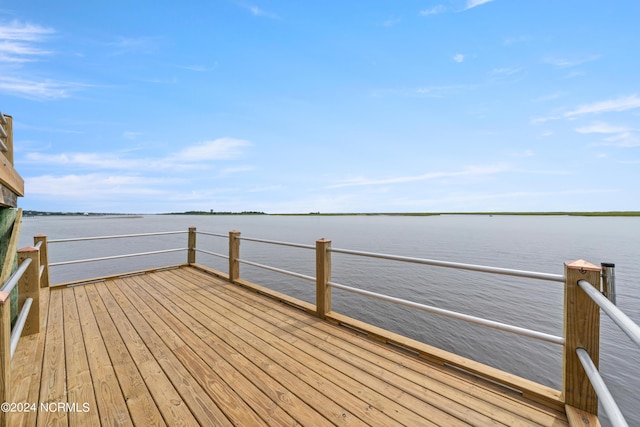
(525, 243)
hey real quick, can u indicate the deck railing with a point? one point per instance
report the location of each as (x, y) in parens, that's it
(27, 278)
(581, 386)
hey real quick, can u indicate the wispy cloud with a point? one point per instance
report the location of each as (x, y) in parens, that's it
(77, 186)
(218, 149)
(256, 11)
(391, 22)
(127, 45)
(474, 3)
(470, 171)
(458, 57)
(199, 68)
(600, 127)
(570, 62)
(38, 90)
(617, 136)
(433, 10)
(18, 42)
(196, 156)
(611, 105)
(619, 104)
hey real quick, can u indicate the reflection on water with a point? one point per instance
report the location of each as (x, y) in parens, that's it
(520, 242)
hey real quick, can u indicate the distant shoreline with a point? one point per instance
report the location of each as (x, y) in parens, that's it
(32, 213)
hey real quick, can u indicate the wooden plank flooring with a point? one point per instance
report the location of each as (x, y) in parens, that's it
(181, 348)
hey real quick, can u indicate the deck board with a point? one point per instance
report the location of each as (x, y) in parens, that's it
(182, 347)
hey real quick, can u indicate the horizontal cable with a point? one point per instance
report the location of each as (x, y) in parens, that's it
(278, 270)
(19, 326)
(79, 261)
(458, 265)
(274, 242)
(41, 270)
(3, 119)
(15, 277)
(212, 234)
(37, 245)
(3, 147)
(212, 253)
(3, 133)
(619, 318)
(121, 236)
(604, 395)
(467, 318)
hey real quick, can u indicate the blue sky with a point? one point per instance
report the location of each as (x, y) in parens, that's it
(333, 106)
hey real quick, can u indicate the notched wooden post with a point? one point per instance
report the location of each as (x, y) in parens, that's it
(234, 254)
(191, 253)
(29, 287)
(44, 259)
(323, 277)
(581, 329)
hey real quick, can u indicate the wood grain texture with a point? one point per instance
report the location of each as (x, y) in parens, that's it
(183, 347)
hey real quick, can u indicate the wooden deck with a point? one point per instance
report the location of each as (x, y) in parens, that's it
(182, 347)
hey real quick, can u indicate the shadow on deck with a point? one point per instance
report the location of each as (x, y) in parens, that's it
(182, 347)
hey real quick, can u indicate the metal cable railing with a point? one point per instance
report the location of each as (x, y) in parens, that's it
(455, 315)
(120, 236)
(457, 265)
(277, 270)
(104, 258)
(604, 395)
(623, 321)
(9, 286)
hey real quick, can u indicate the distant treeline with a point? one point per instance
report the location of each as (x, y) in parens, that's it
(216, 213)
(42, 213)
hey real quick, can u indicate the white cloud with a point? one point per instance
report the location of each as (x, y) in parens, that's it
(218, 149)
(470, 171)
(39, 90)
(131, 135)
(80, 186)
(600, 127)
(192, 157)
(256, 11)
(458, 57)
(391, 22)
(525, 153)
(620, 104)
(17, 41)
(125, 45)
(570, 62)
(611, 105)
(433, 11)
(473, 3)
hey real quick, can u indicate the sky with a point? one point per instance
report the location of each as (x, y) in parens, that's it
(332, 106)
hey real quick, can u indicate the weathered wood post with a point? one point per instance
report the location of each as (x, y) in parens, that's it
(234, 254)
(323, 277)
(191, 252)
(29, 287)
(5, 352)
(581, 329)
(44, 258)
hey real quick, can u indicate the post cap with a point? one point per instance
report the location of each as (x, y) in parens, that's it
(580, 264)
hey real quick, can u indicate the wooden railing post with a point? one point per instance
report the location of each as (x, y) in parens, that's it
(581, 329)
(44, 259)
(191, 253)
(323, 277)
(234, 254)
(5, 352)
(29, 287)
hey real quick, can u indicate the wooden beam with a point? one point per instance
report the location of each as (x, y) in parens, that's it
(11, 183)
